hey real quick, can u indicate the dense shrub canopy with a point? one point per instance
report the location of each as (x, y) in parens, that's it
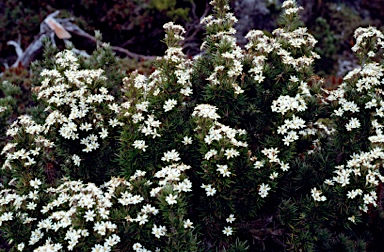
(236, 149)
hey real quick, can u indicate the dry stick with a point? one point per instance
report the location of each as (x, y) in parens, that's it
(60, 27)
(74, 29)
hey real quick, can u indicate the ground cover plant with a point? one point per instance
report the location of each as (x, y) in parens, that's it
(236, 149)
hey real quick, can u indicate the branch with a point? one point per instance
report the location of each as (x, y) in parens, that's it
(62, 28)
(74, 29)
(17, 46)
(132, 54)
(194, 27)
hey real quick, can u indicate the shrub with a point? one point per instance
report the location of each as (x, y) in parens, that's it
(233, 150)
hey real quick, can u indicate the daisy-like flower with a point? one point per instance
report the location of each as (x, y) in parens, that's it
(76, 159)
(258, 164)
(273, 175)
(86, 126)
(188, 224)
(137, 246)
(171, 199)
(353, 193)
(31, 206)
(98, 248)
(35, 183)
(210, 191)
(206, 111)
(20, 246)
(104, 133)
(89, 215)
(227, 231)
(231, 218)
(186, 91)
(316, 195)
(158, 231)
(353, 124)
(172, 155)
(223, 169)
(263, 190)
(352, 219)
(210, 154)
(169, 105)
(114, 122)
(140, 144)
(230, 153)
(284, 166)
(187, 140)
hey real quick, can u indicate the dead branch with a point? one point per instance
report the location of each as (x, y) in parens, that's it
(194, 27)
(63, 29)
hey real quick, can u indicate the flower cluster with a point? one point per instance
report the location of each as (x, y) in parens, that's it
(229, 56)
(62, 215)
(360, 176)
(74, 104)
(18, 157)
(368, 40)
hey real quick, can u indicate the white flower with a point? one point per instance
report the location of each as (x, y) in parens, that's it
(263, 190)
(206, 111)
(35, 183)
(98, 248)
(210, 154)
(137, 246)
(209, 190)
(223, 169)
(112, 240)
(353, 124)
(238, 89)
(104, 133)
(353, 193)
(371, 54)
(114, 122)
(140, 144)
(158, 231)
(273, 175)
(229, 153)
(370, 198)
(142, 218)
(76, 159)
(316, 194)
(231, 218)
(31, 206)
(186, 91)
(171, 199)
(188, 224)
(187, 140)
(114, 107)
(283, 166)
(86, 126)
(89, 215)
(258, 164)
(140, 81)
(20, 246)
(329, 182)
(352, 219)
(169, 105)
(172, 155)
(227, 231)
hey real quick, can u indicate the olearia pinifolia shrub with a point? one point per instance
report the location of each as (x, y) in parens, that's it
(235, 149)
(8, 107)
